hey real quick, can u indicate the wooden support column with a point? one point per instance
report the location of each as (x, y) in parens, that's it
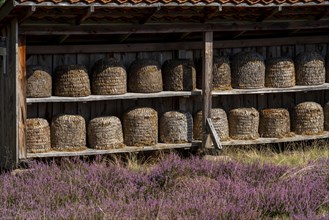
(9, 103)
(21, 97)
(207, 85)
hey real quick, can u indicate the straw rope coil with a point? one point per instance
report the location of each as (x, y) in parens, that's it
(68, 132)
(308, 118)
(248, 70)
(39, 82)
(219, 120)
(310, 69)
(176, 127)
(37, 135)
(109, 78)
(244, 123)
(274, 123)
(280, 73)
(140, 127)
(71, 80)
(105, 133)
(145, 76)
(326, 116)
(179, 75)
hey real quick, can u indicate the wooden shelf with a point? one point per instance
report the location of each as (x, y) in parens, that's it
(162, 146)
(89, 152)
(277, 140)
(271, 90)
(163, 94)
(112, 97)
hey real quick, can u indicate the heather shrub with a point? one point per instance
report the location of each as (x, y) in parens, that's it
(174, 188)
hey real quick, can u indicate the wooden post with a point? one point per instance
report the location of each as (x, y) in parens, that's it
(21, 97)
(9, 108)
(207, 85)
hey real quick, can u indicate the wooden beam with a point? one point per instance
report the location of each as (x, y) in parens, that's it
(184, 35)
(206, 85)
(209, 13)
(269, 14)
(91, 9)
(21, 97)
(239, 34)
(137, 47)
(109, 28)
(322, 15)
(7, 8)
(149, 15)
(63, 38)
(213, 134)
(29, 12)
(124, 37)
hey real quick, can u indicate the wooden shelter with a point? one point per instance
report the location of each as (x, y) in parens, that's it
(57, 32)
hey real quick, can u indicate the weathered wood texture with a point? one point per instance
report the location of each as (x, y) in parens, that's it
(9, 102)
(207, 86)
(21, 97)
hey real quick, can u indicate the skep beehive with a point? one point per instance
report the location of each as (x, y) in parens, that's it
(326, 116)
(274, 123)
(244, 123)
(248, 70)
(179, 75)
(140, 127)
(71, 80)
(310, 69)
(219, 120)
(176, 127)
(68, 132)
(105, 133)
(145, 76)
(109, 77)
(39, 82)
(280, 73)
(308, 118)
(37, 135)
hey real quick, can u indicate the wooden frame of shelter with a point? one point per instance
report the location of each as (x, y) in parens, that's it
(34, 27)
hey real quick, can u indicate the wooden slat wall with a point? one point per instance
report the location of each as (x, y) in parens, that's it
(9, 105)
(194, 104)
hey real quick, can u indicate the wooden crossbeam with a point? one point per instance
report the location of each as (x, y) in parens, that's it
(28, 14)
(91, 9)
(213, 134)
(269, 14)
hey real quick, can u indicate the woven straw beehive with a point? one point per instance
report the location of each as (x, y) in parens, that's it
(219, 120)
(105, 133)
(280, 73)
(326, 116)
(274, 123)
(308, 118)
(37, 135)
(179, 75)
(145, 76)
(140, 127)
(248, 70)
(71, 80)
(310, 69)
(176, 127)
(109, 78)
(243, 123)
(68, 132)
(39, 83)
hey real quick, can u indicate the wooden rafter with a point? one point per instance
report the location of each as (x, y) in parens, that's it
(82, 18)
(269, 14)
(6, 9)
(28, 14)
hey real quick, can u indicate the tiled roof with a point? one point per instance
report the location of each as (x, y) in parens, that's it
(231, 2)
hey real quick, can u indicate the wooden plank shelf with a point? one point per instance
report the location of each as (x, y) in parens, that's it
(277, 140)
(162, 146)
(271, 90)
(163, 94)
(89, 152)
(112, 97)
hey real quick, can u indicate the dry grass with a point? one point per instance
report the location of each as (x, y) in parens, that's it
(290, 154)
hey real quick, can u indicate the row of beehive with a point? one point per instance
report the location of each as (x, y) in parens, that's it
(109, 77)
(140, 127)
